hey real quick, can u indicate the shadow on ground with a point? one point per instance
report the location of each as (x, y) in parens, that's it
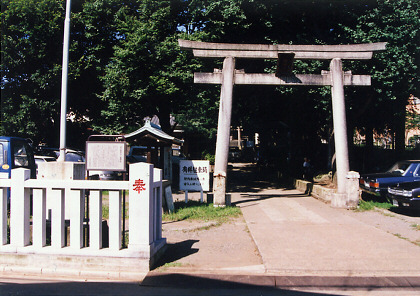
(166, 284)
(176, 251)
(248, 177)
(406, 211)
(247, 197)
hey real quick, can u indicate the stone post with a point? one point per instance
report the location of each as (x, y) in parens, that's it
(61, 171)
(353, 193)
(223, 132)
(141, 199)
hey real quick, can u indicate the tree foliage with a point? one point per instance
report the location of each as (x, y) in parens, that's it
(125, 64)
(394, 71)
(31, 31)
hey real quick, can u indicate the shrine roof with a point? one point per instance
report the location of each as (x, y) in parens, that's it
(153, 132)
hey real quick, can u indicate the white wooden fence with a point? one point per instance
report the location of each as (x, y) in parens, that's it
(145, 215)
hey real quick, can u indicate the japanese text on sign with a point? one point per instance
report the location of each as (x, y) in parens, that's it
(106, 156)
(194, 175)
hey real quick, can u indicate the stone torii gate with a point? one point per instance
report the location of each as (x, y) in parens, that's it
(285, 54)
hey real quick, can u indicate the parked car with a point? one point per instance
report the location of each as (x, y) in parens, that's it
(405, 195)
(43, 158)
(71, 155)
(137, 154)
(105, 175)
(402, 171)
(16, 153)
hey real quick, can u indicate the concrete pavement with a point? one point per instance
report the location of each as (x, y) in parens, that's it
(298, 235)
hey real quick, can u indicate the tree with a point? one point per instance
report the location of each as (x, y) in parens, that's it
(31, 71)
(394, 71)
(145, 75)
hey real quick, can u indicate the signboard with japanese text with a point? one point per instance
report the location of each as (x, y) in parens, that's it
(110, 156)
(194, 175)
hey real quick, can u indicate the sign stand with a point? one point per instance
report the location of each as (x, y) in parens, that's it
(107, 153)
(194, 175)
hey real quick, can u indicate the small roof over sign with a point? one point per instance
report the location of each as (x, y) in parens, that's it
(153, 134)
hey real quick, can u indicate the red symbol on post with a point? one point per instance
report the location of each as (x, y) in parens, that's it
(139, 185)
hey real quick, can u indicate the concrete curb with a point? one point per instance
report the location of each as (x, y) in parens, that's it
(195, 280)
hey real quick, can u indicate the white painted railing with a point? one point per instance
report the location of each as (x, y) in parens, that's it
(145, 214)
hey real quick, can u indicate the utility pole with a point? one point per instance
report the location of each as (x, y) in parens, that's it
(64, 80)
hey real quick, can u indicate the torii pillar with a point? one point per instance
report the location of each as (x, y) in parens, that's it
(223, 132)
(285, 54)
(340, 124)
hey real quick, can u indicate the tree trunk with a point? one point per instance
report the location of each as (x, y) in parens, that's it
(164, 114)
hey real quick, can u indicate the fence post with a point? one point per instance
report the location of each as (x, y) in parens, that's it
(158, 205)
(115, 198)
(95, 219)
(39, 218)
(140, 206)
(19, 208)
(56, 196)
(3, 216)
(77, 214)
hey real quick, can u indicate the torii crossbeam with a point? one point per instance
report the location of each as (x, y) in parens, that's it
(285, 54)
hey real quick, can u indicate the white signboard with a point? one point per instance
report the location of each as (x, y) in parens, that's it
(106, 156)
(194, 175)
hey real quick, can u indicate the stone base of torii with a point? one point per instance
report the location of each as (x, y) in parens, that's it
(285, 54)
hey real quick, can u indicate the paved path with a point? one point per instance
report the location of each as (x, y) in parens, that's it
(298, 235)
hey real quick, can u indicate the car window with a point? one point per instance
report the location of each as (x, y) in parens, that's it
(19, 154)
(2, 160)
(399, 168)
(417, 171)
(410, 170)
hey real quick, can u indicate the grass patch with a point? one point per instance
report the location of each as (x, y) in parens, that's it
(371, 205)
(194, 210)
(416, 226)
(172, 264)
(105, 211)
